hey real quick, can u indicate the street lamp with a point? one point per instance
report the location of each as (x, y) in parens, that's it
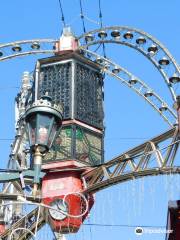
(43, 121)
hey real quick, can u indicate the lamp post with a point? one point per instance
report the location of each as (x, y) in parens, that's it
(43, 121)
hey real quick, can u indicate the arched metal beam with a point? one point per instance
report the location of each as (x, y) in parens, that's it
(22, 54)
(130, 176)
(147, 159)
(137, 85)
(144, 43)
(26, 47)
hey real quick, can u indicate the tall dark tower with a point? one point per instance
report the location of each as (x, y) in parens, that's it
(76, 82)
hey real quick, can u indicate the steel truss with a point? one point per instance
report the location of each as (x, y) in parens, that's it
(147, 159)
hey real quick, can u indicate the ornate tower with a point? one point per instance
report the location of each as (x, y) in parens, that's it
(71, 79)
(76, 82)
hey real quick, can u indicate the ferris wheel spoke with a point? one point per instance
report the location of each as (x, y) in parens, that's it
(137, 85)
(142, 42)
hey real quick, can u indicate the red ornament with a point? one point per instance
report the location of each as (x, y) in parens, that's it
(64, 189)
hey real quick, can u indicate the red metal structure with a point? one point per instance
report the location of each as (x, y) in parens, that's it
(64, 185)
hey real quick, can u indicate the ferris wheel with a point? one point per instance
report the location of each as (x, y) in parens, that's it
(57, 163)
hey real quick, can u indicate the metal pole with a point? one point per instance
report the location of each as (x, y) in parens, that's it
(37, 71)
(37, 161)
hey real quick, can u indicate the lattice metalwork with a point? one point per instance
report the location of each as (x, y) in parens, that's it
(56, 80)
(76, 85)
(89, 96)
(147, 159)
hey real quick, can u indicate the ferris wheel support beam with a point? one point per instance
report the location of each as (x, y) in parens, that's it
(141, 41)
(147, 159)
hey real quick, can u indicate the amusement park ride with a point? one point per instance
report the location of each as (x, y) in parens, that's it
(57, 158)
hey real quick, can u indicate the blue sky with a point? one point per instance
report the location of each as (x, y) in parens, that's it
(127, 116)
